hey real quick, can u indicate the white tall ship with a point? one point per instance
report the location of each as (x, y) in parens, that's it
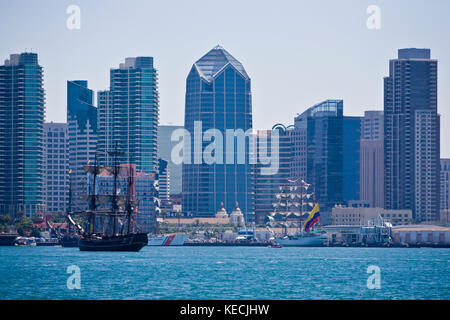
(296, 199)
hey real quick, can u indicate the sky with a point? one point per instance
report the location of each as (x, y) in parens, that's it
(297, 53)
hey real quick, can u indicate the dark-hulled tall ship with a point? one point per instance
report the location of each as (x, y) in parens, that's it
(117, 211)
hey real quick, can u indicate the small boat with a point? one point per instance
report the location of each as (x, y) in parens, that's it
(168, 240)
(24, 241)
(275, 246)
(47, 242)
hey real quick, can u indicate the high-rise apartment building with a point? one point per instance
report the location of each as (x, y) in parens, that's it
(299, 141)
(129, 113)
(351, 144)
(163, 180)
(56, 167)
(22, 111)
(218, 96)
(372, 159)
(267, 186)
(412, 135)
(104, 127)
(165, 147)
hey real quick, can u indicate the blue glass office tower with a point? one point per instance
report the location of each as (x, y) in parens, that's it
(82, 127)
(22, 135)
(129, 113)
(351, 158)
(412, 134)
(323, 126)
(218, 93)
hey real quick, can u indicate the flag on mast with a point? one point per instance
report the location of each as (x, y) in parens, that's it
(312, 219)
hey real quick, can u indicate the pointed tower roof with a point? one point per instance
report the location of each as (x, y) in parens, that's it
(215, 60)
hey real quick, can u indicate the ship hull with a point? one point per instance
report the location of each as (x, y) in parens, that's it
(303, 241)
(128, 242)
(8, 239)
(69, 241)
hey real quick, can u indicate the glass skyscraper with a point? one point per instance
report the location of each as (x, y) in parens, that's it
(412, 138)
(129, 113)
(323, 126)
(82, 127)
(218, 93)
(22, 135)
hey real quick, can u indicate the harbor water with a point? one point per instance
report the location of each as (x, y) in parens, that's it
(225, 273)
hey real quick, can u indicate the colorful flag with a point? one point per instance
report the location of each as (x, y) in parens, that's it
(312, 219)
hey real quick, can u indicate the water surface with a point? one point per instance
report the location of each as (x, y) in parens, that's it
(225, 273)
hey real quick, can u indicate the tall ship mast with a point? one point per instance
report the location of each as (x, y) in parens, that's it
(71, 238)
(296, 199)
(117, 209)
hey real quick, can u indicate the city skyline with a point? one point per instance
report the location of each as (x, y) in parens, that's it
(314, 74)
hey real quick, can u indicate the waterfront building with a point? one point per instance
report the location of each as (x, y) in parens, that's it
(22, 110)
(82, 130)
(146, 192)
(236, 217)
(351, 144)
(421, 235)
(323, 125)
(267, 186)
(56, 167)
(218, 96)
(222, 213)
(354, 214)
(129, 114)
(372, 158)
(165, 147)
(412, 135)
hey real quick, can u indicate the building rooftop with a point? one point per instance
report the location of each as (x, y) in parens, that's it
(215, 60)
(137, 62)
(420, 227)
(414, 53)
(25, 58)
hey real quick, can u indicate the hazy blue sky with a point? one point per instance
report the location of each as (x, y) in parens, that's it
(297, 53)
